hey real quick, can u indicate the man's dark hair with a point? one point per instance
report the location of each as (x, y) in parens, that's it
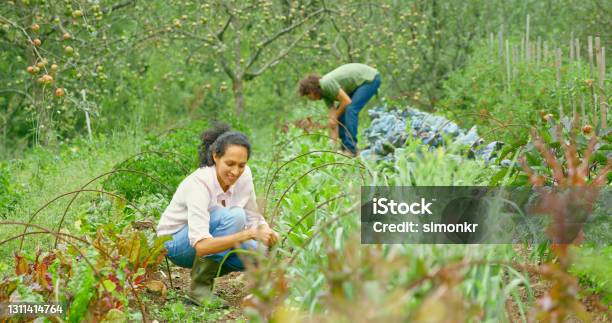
(217, 139)
(310, 84)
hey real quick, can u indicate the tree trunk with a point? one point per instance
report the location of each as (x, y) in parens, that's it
(238, 95)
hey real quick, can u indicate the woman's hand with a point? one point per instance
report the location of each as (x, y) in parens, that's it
(273, 238)
(209, 246)
(264, 234)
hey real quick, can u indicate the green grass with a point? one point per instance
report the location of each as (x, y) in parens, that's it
(45, 173)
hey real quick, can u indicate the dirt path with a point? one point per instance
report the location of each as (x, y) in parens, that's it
(230, 287)
(591, 302)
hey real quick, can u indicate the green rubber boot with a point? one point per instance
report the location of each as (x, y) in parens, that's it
(203, 274)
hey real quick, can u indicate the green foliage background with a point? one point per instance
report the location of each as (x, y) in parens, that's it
(152, 75)
(145, 66)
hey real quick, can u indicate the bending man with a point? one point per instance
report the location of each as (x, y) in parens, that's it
(352, 85)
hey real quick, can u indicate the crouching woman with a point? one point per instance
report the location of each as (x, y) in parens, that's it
(214, 211)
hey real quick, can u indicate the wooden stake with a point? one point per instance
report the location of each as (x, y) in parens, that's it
(522, 52)
(545, 51)
(508, 65)
(595, 105)
(573, 59)
(500, 44)
(583, 110)
(590, 50)
(87, 119)
(601, 76)
(571, 47)
(594, 116)
(515, 59)
(539, 50)
(573, 99)
(500, 52)
(600, 71)
(527, 48)
(577, 42)
(558, 67)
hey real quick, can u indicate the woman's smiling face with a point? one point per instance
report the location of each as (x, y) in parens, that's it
(231, 165)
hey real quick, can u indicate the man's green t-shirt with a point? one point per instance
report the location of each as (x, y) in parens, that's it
(347, 77)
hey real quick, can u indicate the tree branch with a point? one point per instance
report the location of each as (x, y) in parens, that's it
(105, 11)
(26, 95)
(118, 6)
(194, 36)
(25, 33)
(280, 33)
(281, 55)
(219, 34)
(346, 40)
(226, 68)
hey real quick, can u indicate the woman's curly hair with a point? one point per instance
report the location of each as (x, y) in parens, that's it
(217, 139)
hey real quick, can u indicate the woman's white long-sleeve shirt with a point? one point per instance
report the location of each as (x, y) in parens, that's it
(199, 194)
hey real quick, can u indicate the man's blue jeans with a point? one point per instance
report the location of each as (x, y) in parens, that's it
(223, 222)
(347, 129)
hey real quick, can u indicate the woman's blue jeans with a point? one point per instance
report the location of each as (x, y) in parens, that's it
(223, 222)
(350, 117)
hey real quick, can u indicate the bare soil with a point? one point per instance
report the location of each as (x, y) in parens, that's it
(230, 287)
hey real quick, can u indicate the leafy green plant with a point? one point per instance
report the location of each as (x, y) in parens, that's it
(97, 276)
(570, 200)
(10, 191)
(590, 267)
(478, 93)
(556, 136)
(167, 160)
(319, 268)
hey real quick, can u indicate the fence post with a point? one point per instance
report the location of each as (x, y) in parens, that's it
(573, 100)
(592, 77)
(522, 49)
(601, 76)
(527, 48)
(598, 98)
(500, 45)
(508, 65)
(558, 68)
(595, 116)
(590, 50)
(571, 47)
(86, 110)
(515, 58)
(500, 53)
(539, 51)
(583, 109)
